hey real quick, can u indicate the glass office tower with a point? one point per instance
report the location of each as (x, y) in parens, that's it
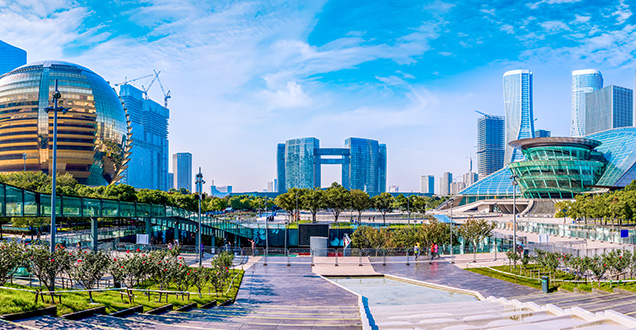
(182, 169)
(93, 136)
(583, 82)
(427, 184)
(11, 57)
(148, 166)
(302, 163)
(517, 86)
(445, 184)
(607, 108)
(363, 164)
(490, 144)
(366, 170)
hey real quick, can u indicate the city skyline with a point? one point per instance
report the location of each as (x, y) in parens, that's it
(245, 76)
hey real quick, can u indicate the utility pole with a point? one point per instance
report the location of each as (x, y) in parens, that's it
(200, 183)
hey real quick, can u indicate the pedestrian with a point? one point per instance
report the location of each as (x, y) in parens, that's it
(416, 250)
(432, 250)
(436, 250)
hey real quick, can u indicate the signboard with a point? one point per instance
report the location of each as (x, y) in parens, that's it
(143, 239)
(544, 238)
(624, 233)
(307, 230)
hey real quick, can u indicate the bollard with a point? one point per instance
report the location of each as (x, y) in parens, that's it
(383, 257)
(336, 257)
(265, 257)
(359, 258)
(495, 244)
(288, 258)
(407, 257)
(312, 258)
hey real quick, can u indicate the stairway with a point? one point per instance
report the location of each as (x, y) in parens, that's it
(495, 313)
(227, 317)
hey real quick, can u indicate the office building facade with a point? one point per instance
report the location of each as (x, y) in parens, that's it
(609, 107)
(490, 144)
(427, 184)
(518, 102)
(170, 180)
(11, 57)
(93, 136)
(542, 133)
(148, 166)
(363, 163)
(583, 82)
(445, 184)
(182, 169)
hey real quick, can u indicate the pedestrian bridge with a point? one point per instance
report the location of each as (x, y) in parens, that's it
(17, 202)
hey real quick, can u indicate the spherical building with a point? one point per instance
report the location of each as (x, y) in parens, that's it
(93, 136)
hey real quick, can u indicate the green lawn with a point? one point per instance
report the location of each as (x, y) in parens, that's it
(532, 271)
(12, 301)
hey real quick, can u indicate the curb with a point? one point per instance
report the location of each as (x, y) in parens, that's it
(128, 311)
(160, 310)
(209, 305)
(52, 311)
(101, 310)
(186, 308)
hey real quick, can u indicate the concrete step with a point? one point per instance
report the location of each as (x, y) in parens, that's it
(48, 322)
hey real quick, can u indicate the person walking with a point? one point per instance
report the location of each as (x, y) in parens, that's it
(436, 250)
(416, 250)
(432, 250)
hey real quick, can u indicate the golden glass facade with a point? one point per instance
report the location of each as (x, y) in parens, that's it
(93, 136)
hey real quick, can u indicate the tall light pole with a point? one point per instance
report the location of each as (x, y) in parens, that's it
(514, 214)
(408, 209)
(24, 158)
(200, 183)
(55, 109)
(452, 201)
(297, 210)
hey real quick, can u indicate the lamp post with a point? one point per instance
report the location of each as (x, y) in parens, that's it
(199, 182)
(297, 215)
(55, 108)
(408, 209)
(24, 158)
(452, 201)
(514, 214)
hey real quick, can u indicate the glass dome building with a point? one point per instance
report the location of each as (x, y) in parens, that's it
(93, 136)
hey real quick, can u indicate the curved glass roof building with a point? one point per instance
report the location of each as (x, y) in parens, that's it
(93, 136)
(561, 167)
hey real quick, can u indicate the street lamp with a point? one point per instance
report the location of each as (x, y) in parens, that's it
(452, 201)
(297, 215)
(408, 209)
(55, 109)
(200, 183)
(514, 213)
(24, 155)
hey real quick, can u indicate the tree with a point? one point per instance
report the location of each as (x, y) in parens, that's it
(384, 204)
(88, 269)
(46, 266)
(474, 231)
(337, 199)
(122, 192)
(368, 237)
(11, 257)
(287, 201)
(313, 200)
(360, 201)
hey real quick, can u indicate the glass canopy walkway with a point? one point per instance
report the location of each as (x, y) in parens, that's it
(17, 202)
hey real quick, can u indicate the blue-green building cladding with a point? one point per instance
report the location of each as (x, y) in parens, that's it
(363, 164)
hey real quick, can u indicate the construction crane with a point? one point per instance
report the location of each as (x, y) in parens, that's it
(166, 96)
(481, 113)
(126, 81)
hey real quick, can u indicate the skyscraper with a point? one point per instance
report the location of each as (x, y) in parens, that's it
(427, 184)
(445, 184)
(363, 164)
(583, 82)
(148, 166)
(11, 57)
(517, 86)
(542, 133)
(170, 180)
(366, 169)
(607, 108)
(302, 163)
(182, 168)
(490, 144)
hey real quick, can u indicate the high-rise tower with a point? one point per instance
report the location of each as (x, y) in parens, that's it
(583, 82)
(517, 86)
(607, 108)
(182, 168)
(490, 144)
(11, 57)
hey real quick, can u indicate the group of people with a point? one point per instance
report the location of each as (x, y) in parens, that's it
(434, 251)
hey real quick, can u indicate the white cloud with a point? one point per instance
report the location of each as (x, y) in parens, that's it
(622, 12)
(550, 2)
(488, 11)
(507, 28)
(391, 80)
(581, 19)
(554, 26)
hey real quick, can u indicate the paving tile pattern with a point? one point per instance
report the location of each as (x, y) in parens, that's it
(449, 274)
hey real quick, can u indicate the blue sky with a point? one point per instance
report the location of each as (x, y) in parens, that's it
(246, 75)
